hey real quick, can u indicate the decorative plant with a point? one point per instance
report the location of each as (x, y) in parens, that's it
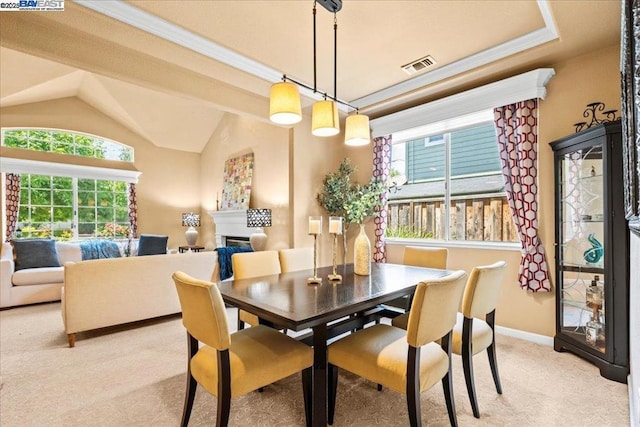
(342, 197)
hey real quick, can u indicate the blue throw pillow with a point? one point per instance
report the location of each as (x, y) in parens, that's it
(35, 253)
(152, 244)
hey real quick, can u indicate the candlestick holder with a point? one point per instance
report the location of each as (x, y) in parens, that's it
(335, 228)
(315, 228)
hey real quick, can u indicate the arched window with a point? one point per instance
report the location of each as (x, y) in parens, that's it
(68, 201)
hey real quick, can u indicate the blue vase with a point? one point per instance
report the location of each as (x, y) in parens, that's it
(595, 253)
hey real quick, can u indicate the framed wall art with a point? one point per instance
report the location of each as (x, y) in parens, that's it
(236, 187)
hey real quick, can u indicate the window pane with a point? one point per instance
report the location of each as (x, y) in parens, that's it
(62, 183)
(40, 181)
(105, 214)
(86, 229)
(86, 184)
(64, 214)
(86, 215)
(41, 197)
(63, 198)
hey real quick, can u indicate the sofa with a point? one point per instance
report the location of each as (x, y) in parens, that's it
(33, 285)
(107, 292)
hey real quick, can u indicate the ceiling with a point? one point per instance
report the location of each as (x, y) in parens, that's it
(166, 69)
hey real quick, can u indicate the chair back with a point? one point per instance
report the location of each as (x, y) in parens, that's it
(483, 289)
(429, 257)
(296, 259)
(434, 308)
(254, 264)
(203, 311)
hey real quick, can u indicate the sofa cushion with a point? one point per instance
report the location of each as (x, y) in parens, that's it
(38, 276)
(152, 244)
(35, 253)
(68, 252)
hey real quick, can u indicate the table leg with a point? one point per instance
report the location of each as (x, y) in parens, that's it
(319, 406)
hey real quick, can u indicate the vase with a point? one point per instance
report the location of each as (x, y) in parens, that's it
(362, 254)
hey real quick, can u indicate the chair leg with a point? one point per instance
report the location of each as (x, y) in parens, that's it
(333, 390)
(71, 338)
(467, 364)
(447, 383)
(413, 386)
(224, 389)
(240, 322)
(379, 387)
(307, 380)
(192, 348)
(491, 352)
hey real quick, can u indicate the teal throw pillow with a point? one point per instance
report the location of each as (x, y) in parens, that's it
(35, 253)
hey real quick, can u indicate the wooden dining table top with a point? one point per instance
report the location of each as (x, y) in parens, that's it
(287, 299)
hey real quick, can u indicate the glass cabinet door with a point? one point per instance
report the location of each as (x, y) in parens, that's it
(581, 240)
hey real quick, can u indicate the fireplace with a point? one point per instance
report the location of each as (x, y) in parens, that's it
(236, 241)
(231, 228)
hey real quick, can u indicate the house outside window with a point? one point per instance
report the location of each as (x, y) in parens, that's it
(70, 207)
(449, 184)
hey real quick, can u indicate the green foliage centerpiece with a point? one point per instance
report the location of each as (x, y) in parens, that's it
(354, 202)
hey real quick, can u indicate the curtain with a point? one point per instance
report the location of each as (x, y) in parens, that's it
(12, 202)
(517, 128)
(133, 211)
(381, 169)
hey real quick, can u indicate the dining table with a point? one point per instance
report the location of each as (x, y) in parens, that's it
(328, 309)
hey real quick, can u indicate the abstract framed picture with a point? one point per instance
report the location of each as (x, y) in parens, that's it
(236, 188)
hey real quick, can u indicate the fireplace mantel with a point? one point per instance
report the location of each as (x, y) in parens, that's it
(232, 223)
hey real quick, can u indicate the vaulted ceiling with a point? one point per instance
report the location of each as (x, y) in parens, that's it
(166, 69)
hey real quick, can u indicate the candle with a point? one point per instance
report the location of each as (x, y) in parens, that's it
(315, 225)
(335, 225)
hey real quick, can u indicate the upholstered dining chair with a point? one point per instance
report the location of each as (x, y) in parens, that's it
(408, 361)
(253, 264)
(419, 256)
(231, 365)
(296, 259)
(475, 325)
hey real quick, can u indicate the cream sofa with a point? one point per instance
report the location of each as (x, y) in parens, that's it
(33, 285)
(106, 292)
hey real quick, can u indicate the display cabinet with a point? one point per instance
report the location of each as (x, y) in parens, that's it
(592, 249)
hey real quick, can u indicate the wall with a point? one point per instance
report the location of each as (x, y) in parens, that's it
(169, 182)
(235, 136)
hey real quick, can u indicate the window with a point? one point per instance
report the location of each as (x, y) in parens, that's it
(74, 144)
(454, 187)
(69, 201)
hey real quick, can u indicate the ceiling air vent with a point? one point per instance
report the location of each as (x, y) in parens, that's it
(419, 65)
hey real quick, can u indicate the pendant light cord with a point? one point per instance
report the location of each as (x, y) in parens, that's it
(314, 47)
(335, 55)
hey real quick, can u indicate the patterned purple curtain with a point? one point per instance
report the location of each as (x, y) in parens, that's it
(381, 169)
(12, 202)
(133, 211)
(517, 131)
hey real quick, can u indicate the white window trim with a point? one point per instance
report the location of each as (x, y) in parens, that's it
(466, 244)
(525, 86)
(12, 165)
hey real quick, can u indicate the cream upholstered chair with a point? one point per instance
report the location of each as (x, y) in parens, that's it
(475, 326)
(296, 259)
(424, 256)
(421, 256)
(406, 361)
(231, 365)
(253, 264)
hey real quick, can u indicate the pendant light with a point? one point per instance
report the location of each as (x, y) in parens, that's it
(325, 120)
(356, 130)
(284, 103)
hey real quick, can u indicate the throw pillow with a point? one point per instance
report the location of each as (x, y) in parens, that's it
(152, 244)
(35, 253)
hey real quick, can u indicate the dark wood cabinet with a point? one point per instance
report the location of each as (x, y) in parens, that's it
(592, 249)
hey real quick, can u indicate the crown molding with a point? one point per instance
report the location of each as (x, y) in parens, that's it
(13, 165)
(508, 91)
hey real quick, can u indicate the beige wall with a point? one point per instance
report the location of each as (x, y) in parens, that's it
(169, 184)
(269, 144)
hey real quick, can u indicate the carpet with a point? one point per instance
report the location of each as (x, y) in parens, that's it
(135, 375)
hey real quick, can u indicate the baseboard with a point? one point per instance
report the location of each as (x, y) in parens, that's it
(527, 336)
(634, 403)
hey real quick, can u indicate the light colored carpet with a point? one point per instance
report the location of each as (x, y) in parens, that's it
(135, 376)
